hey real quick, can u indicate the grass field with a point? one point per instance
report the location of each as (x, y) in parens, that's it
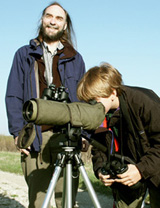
(10, 162)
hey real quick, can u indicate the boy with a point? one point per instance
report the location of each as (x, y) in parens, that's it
(132, 136)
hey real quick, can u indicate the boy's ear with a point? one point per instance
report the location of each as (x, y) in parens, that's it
(114, 94)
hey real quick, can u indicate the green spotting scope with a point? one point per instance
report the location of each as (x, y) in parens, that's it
(46, 112)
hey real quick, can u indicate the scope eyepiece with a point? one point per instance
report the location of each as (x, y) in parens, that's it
(30, 110)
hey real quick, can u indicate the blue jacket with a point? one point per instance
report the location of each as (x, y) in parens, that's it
(22, 84)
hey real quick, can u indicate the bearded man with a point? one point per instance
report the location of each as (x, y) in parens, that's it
(48, 59)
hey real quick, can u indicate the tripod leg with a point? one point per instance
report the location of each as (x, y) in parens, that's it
(69, 185)
(55, 177)
(64, 189)
(51, 187)
(87, 182)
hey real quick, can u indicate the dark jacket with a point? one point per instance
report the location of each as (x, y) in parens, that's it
(142, 143)
(22, 83)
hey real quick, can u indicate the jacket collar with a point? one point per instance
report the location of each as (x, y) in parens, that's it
(36, 50)
(68, 51)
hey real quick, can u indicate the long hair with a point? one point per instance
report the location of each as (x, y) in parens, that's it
(68, 35)
(99, 81)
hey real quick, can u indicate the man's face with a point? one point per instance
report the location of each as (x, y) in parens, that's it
(53, 23)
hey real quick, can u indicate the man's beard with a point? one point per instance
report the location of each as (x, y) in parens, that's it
(52, 37)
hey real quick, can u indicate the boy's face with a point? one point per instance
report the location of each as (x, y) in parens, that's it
(111, 102)
(106, 102)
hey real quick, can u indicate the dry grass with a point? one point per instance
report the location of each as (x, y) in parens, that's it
(7, 144)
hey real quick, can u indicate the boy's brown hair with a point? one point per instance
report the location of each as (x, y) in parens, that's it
(99, 81)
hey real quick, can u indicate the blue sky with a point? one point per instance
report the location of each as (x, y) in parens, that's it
(125, 33)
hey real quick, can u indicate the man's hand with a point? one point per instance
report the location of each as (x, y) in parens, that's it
(25, 151)
(105, 179)
(130, 177)
(85, 145)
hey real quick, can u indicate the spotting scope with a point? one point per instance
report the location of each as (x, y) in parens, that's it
(46, 112)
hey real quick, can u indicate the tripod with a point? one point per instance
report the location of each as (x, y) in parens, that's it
(65, 159)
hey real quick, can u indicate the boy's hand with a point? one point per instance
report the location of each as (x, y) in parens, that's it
(130, 177)
(105, 179)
